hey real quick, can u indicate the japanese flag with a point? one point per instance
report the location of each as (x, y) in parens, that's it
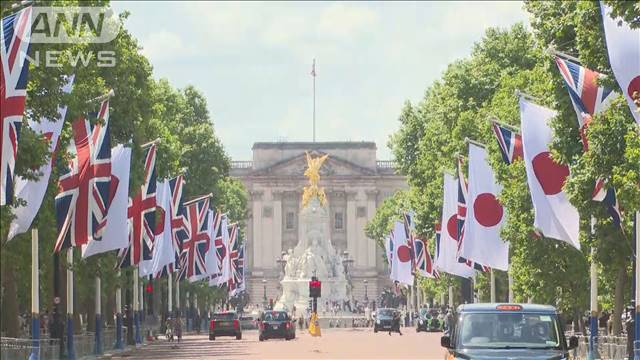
(555, 217)
(447, 256)
(485, 215)
(402, 261)
(623, 44)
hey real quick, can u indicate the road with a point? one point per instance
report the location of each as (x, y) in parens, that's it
(334, 344)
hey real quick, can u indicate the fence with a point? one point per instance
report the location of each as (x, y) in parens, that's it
(18, 349)
(609, 347)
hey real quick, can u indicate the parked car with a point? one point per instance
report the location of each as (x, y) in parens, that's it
(276, 325)
(387, 319)
(507, 331)
(225, 324)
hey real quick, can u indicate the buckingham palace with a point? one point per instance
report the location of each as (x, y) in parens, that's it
(355, 183)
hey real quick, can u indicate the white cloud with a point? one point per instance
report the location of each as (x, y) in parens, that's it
(163, 46)
(252, 60)
(344, 21)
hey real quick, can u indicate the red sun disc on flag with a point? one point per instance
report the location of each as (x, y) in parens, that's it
(549, 173)
(452, 227)
(634, 86)
(159, 224)
(404, 253)
(487, 210)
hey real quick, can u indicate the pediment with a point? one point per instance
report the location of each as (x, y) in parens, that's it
(296, 165)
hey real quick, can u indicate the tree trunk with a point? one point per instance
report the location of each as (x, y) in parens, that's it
(9, 316)
(621, 280)
(108, 314)
(90, 306)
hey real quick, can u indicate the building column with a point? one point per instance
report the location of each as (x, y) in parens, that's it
(351, 226)
(257, 239)
(372, 196)
(276, 229)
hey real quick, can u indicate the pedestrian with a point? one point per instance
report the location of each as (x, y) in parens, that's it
(178, 328)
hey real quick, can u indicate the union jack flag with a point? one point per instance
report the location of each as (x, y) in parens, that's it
(608, 197)
(463, 189)
(509, 141)
(85, 188)
(424, 262)
(142, 215)
(222, 252)
(178, 219)
(239, 284)
(15, 38)
(234, 256)
(586, 96)
(196, 245)
(589, 99)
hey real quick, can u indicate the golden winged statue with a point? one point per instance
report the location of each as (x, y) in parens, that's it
(313, 173)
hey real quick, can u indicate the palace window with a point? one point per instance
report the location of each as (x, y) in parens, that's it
(289, 223)
(361, 211)
(338, 220)
(267, 212)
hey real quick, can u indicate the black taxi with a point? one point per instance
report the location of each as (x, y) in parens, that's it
(507, 331)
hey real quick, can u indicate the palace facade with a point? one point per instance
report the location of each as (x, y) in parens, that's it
(355, 183)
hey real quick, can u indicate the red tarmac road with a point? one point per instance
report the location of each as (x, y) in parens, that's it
(334, 344)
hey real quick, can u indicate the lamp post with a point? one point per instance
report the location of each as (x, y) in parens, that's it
(264, 294)
(366, 297)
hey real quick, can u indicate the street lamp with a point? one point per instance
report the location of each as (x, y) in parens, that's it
(366, 297)
(264, 286)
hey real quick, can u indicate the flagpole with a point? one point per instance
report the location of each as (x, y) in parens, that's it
(593, 320)
(35, 297)
(136, 299)
(71, 351)
(510, 275)
(142, 314)
(98, 333)
(178, 314)
(188, 312)
(119, 344)
(170, 291)
(493, 285)
(636, 345)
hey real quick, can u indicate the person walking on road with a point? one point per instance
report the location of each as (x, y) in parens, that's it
(178, 329)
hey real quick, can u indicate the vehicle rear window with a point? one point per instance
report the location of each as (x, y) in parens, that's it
(385, 312)
(275, 316)
(224, 316)
(508, 330)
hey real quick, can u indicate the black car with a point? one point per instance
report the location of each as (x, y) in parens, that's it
(428, 321)
(276, 325)
(387, 320)
(225, 324)
(507, 331)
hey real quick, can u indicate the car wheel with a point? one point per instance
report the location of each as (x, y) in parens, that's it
(261, 338)
(287, 338)
(375, 329)
(212, 337)
(417, 329)
(239, 337)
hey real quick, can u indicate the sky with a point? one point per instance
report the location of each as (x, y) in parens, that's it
(252, 61)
